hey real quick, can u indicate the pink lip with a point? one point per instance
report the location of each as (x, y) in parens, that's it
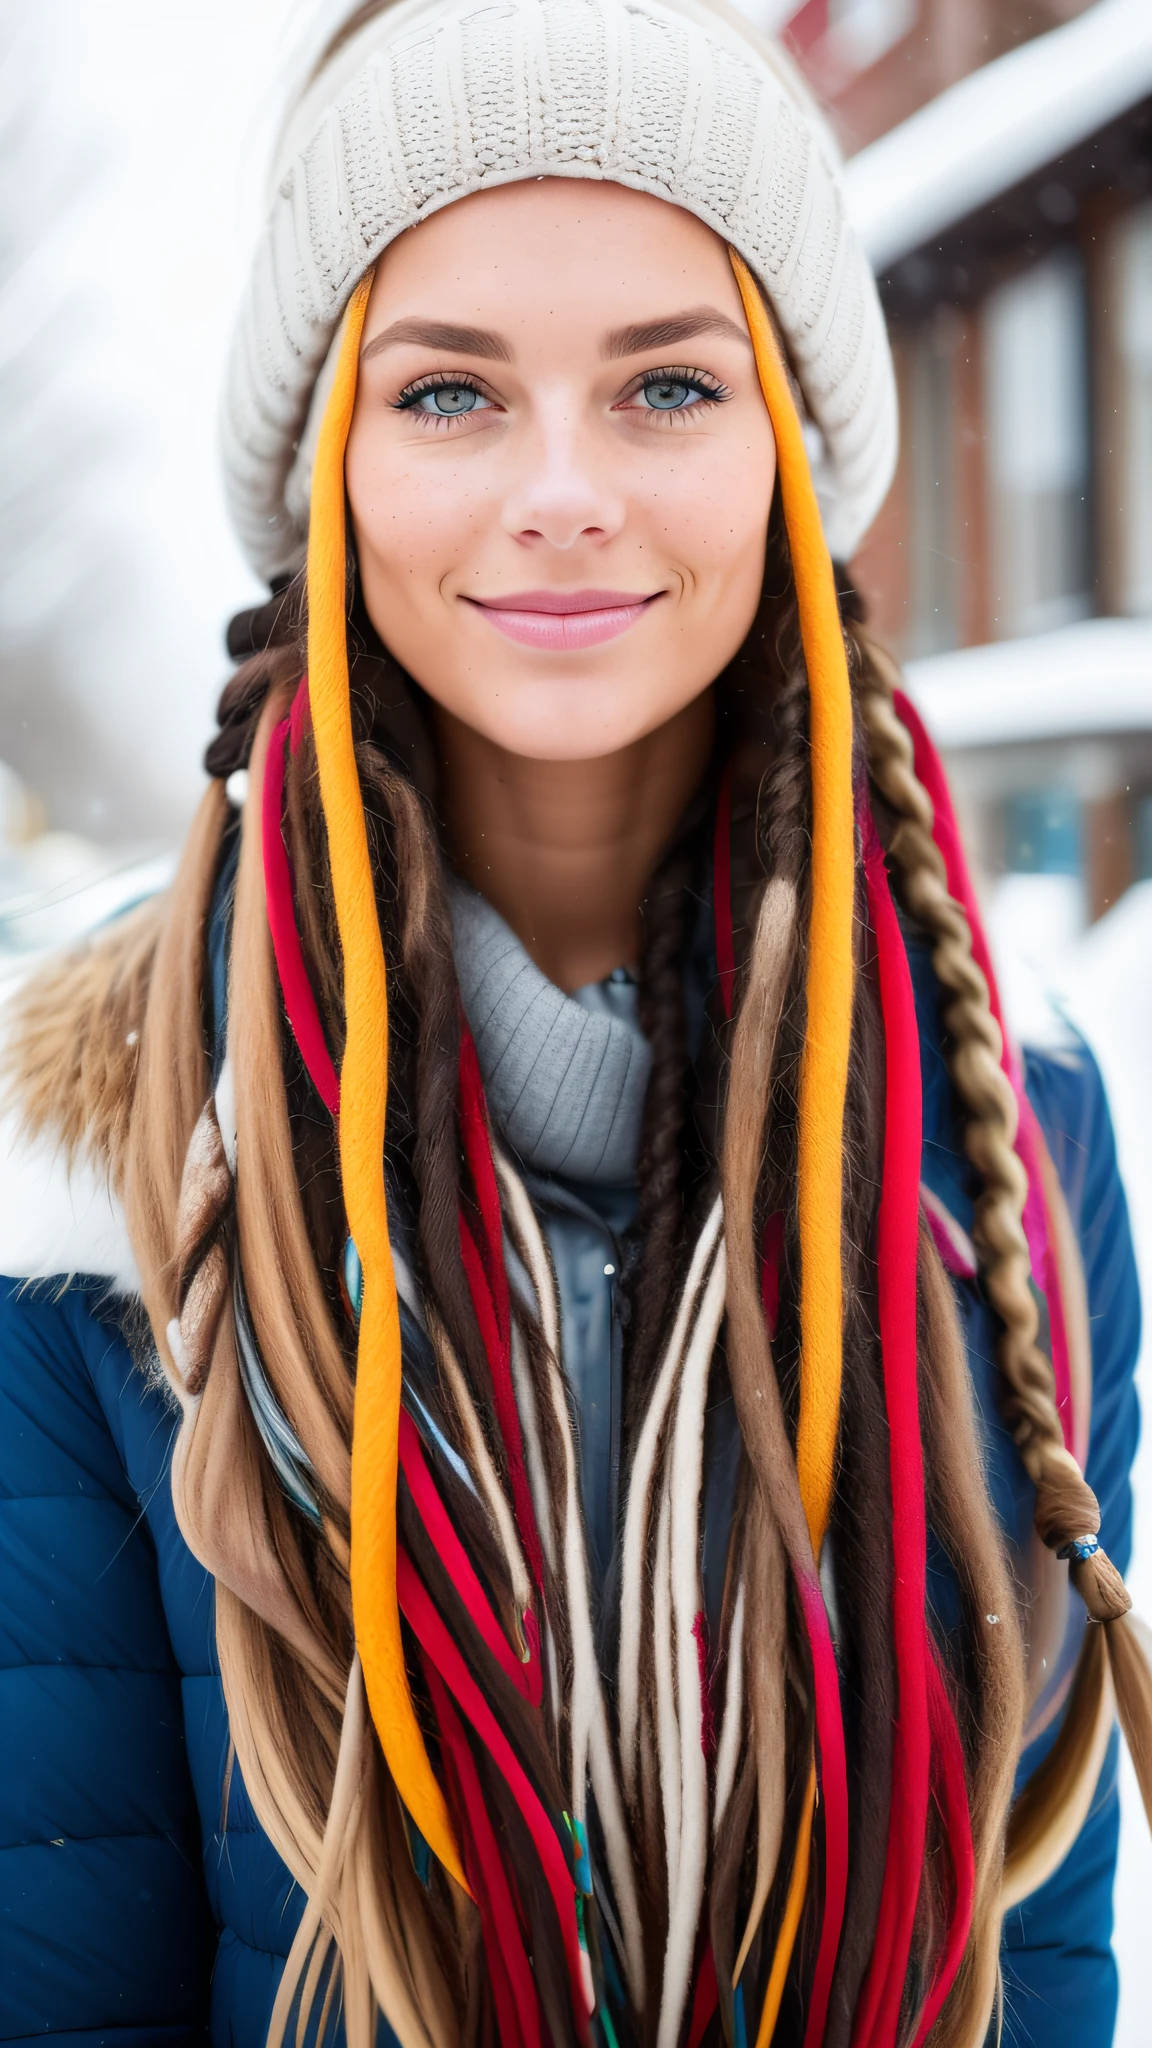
(564, 621)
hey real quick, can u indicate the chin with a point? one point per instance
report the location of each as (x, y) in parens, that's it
(582, 720)
(548, 737)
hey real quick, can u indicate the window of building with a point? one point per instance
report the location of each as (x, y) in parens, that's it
(1134, 265)
(1043, 833)
(1040, 904)
(1142, 836)
(929, 425)
(1038, 452)
(861, 30)
(836, 39)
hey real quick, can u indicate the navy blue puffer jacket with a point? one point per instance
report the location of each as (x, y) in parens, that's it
(140, 1902)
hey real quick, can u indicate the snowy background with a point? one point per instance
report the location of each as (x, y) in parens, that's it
(133, 135)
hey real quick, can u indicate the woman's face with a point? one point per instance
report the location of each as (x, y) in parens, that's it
(560, 465)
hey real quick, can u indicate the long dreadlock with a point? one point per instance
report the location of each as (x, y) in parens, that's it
(234, 1195)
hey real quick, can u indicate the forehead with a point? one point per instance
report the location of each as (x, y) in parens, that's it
(554, 251)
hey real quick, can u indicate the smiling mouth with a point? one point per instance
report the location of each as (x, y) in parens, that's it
(564, 621)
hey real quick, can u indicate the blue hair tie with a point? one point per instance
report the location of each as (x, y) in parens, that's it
(1081, 1548)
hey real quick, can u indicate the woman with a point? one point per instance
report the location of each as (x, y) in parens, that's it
(573, 1184)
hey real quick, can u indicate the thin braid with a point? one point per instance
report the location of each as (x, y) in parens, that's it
(784, 812)
(663, 1018)
(203, 1219)
(1066, 1507)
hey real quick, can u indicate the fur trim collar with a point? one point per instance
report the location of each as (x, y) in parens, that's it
(57, 1218)
(58, 1214)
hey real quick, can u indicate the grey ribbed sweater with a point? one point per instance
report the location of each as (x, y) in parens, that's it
(565, 1075)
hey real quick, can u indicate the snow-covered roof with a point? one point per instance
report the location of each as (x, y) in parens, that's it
(1094, 677)
(997, 126)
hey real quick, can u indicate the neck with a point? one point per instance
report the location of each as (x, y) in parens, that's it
(565, 850)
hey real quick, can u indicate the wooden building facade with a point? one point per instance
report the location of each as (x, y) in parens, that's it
(1000, 171)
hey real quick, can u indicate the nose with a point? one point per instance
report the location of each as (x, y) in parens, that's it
(563, 495)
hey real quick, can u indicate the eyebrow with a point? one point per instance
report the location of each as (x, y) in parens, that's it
(622, 341)
(649, 334)
(440, 334)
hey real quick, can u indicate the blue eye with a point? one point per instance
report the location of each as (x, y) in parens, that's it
(676, 390)
(450, 398)
(445, 401)
(666, 395)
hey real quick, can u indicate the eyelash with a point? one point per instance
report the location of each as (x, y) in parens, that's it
(709, 389)
(438, 380)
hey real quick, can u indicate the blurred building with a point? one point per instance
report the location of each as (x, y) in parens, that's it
(1001, 176)
(875, 62)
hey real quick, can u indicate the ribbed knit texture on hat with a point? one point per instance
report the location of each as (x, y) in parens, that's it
(431, 102)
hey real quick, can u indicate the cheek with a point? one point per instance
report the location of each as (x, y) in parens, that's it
(711, 516)
(410, 519)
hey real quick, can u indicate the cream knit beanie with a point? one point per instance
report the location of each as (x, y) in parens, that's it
(433, 99)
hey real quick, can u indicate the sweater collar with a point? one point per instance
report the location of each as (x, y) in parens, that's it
(565, 1076)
